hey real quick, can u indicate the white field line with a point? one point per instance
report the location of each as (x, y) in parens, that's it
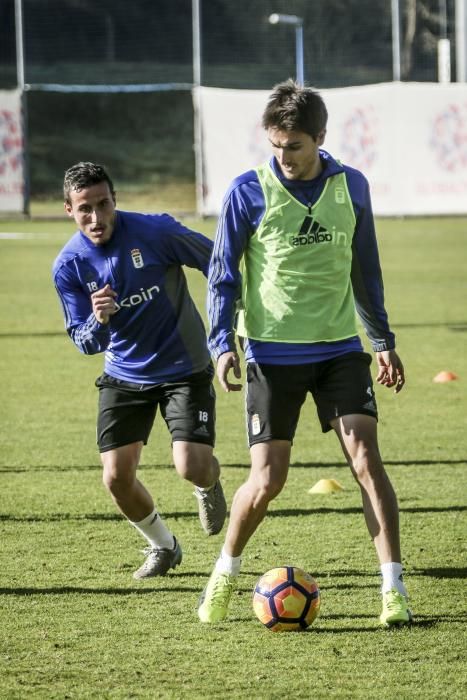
(23, 235)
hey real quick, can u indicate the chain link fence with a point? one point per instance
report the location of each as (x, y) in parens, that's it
(113, 77)
(346, 42)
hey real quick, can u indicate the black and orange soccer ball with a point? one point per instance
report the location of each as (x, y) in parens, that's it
(286, 599)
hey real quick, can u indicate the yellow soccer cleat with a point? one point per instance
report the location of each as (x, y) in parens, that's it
(395, 609)
(215, 598)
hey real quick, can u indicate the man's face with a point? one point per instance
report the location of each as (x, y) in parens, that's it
(297, 153)
(93, 210)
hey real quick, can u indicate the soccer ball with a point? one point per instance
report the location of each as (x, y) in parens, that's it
(286, 599)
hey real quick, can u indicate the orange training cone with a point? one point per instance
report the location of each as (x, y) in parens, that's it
(445, 376)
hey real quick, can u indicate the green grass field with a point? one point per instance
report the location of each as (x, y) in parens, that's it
(74, 622)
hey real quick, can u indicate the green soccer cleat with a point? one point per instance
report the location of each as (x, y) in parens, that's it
(395, 609)
(215, 598)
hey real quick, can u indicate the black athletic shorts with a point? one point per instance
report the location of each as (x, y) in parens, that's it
(127, 410)
(276, 393)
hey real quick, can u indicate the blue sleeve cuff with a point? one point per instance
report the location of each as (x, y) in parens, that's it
(382, 345)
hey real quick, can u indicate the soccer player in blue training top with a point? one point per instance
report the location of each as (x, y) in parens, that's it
(124, 293)
(302, 227)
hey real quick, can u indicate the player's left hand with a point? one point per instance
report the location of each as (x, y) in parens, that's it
(390, 370)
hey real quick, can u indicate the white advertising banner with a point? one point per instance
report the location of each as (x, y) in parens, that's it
(11, 152)
(409, 139)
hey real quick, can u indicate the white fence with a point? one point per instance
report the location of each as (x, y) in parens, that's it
(409, 139)
(12, 187)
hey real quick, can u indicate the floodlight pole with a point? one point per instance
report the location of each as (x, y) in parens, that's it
(197, 107)
(296, 22)
(396, 46)
(461, 41)
(19, 44)
(444, 45)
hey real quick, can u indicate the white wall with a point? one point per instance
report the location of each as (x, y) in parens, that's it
(409, 139)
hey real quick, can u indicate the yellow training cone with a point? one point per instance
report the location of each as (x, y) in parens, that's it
(326, 486)
(445, 376)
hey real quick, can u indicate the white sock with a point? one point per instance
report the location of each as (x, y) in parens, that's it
(228, 565)
(154, 530)
(392, 577)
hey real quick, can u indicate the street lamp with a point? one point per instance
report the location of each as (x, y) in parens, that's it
(296, 22)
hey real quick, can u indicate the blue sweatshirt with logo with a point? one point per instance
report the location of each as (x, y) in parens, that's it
(242, 210)
(157, 334)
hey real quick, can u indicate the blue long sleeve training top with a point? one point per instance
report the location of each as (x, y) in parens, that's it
(157, 334)
(242, 210)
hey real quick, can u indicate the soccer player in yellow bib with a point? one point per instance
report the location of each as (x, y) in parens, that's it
(295, 257)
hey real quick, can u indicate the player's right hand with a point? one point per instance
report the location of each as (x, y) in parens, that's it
(104, 304)
(226, 362)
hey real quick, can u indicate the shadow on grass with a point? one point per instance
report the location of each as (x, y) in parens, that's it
(342, 586)
(420, 622)
(441, 572)
(57, 517)
(330, 575)
(168, 587)
(278, 513)
(346, 573)
(314, 628)
(429, 620)
(388, 462)
(70, 590)
(38, 334)
(54, 468)
(452, 326)
(375, 629)
(162, 467)
(354, 510)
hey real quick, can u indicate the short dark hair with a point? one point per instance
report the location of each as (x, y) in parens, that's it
(292, 107)
(83, 175)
